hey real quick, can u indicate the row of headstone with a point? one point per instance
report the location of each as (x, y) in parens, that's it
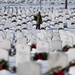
(64, 39)
(60, 37)
(67, 38)
(23, 59)
(53, 16)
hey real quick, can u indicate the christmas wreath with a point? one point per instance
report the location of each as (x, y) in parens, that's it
(55, 71)
(66, 48)
(33, 46)
(3, 64)
(60, 71)
(72, 63)
(41, 56)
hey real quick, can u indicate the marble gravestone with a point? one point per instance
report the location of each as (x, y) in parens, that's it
(1, 38)
(21, 40)
(2, 34)
(71, 54)
(68, 23)
(56, 33)
(5, 44)
(56, 45)
(9, 35)
(18, 34)
(28, 68)
(41, 36)
(4, 54)
(70, 41)
(56, 59)
(23, 53)
(64, 39)
(42, 46)
(71, 37)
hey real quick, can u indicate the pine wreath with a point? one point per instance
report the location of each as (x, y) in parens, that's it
(41, 56)
(60, 71)
(66, 48)
(55, 71)
(3, 64)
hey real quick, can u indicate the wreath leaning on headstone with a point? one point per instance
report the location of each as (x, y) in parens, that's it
(55, 71)
(3, 64)
(59, 70)
(41, 56)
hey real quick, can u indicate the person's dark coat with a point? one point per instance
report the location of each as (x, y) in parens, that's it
(38, 19)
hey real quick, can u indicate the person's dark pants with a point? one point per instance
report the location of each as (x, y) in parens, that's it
(37, 26)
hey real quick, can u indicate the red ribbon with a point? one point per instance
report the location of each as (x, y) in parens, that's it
(34, 46)
(58, 72)
(40, 56)
(1, 67)
(73, 64)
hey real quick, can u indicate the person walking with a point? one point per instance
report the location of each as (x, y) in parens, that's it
(38, 20)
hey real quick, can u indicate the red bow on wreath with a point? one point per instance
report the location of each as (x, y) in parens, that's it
(58, 72)
(40, 56)
(1, 67)
(73, 64)
(33, 46)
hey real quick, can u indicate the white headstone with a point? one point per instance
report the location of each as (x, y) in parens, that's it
(40, 36)
(2, 34)
(23, 53)
(28, 68)
(33, 39)
(18, 34)
(1, 38)
(62, 32)
(56, 45)
(5, 44)
(4, 54)
(64, 39)
(42, 46)
(57, 59)
(60, 25)
(56, 33)
(71, 54)
(9, 34)
(21, 40)
(70, 41)
(68, 23)
(49, 34)
(72, 37)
